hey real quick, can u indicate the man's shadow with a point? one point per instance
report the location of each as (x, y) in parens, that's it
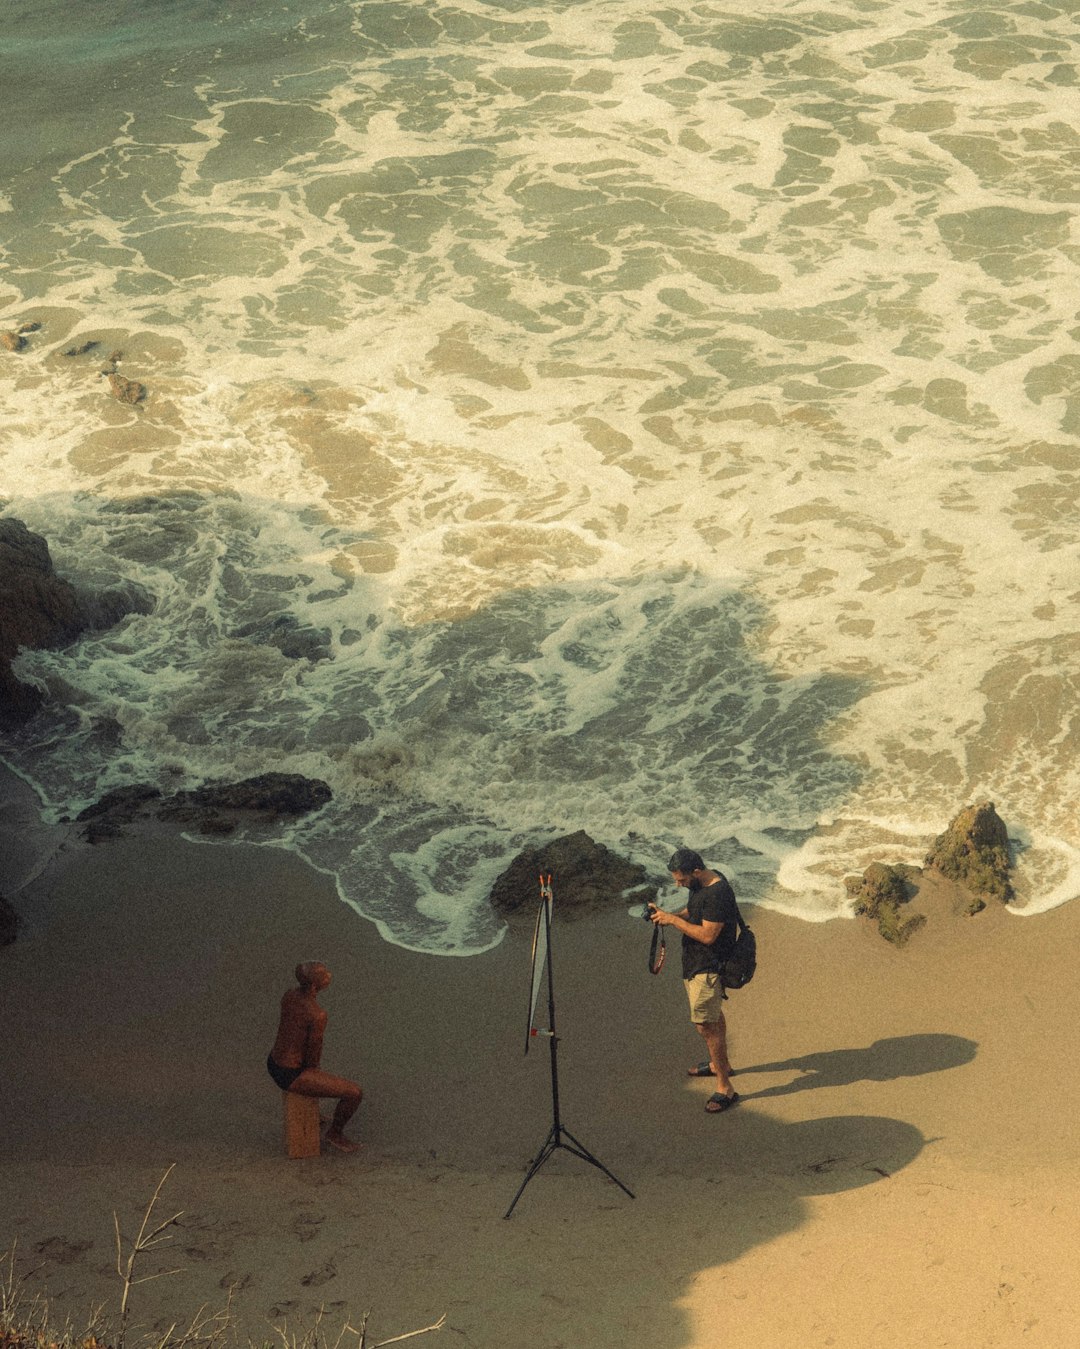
(883, 1061)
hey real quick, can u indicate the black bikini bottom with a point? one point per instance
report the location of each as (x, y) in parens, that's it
(284, 1077)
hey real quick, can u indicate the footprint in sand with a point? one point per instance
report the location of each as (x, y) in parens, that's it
(306, 1225)
(323, 1274)
(234, 1282)
(210, 1252)
(61, 1250)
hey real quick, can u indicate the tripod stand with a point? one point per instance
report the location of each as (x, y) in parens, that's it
(558, 1132)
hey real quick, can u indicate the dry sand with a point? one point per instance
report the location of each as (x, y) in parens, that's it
(902, 1168)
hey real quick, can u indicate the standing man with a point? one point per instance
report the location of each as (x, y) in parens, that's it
(709, 926)
(293, 1062)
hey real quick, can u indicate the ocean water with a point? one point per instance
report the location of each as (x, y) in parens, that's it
(661, 422)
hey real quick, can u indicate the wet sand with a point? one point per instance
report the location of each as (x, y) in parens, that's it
(903, 1166)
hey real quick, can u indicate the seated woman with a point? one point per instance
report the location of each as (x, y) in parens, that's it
(293, 1062)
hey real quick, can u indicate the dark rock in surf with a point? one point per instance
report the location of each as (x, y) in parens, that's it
(40, 610)
(122, 803)
(9, 923)
(974, 851)
(271, 795)
(16, 340)
(37, 609)
(101, 609)
(215, 808)
(586, 876)
(972, 860)
(125, 390)
(294, 641)
(107, 817)
(880, 893)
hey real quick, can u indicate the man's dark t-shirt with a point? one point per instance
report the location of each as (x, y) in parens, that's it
(715, 904)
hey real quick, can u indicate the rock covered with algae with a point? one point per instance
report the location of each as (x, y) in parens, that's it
(972, 857)
(974, 852)
(880, 893)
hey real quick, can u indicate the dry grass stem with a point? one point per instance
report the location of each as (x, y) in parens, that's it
(394, 1339)
(25, 1322)
(144, 1241)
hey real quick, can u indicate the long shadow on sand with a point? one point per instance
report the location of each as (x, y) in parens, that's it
(706, 1198)
(883, 1061)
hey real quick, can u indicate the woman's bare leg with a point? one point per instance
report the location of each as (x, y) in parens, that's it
(314, 1082)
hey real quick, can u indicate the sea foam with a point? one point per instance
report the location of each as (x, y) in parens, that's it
(657, 424)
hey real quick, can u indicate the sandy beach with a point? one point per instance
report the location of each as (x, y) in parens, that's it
(902, 1168)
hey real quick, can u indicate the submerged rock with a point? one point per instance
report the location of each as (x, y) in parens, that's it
(974, 852)
(294, 640)
(880, 893)
(40, 610)
(12, 341)
(101, 609)
(586, 875)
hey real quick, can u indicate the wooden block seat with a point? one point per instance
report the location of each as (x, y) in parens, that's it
(301, 1124)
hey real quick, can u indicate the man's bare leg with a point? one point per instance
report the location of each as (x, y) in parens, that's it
(714, 1033)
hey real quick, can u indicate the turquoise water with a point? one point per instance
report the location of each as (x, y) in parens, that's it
(658, 422)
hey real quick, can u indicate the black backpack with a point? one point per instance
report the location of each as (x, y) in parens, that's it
(737, 968)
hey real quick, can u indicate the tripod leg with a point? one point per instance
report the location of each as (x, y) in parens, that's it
(554, 1138)
(583, 1152)
(549, 1146)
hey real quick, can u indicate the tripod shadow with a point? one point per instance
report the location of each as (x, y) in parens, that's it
(883, 1061)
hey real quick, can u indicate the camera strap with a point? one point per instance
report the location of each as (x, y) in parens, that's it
(657, 950)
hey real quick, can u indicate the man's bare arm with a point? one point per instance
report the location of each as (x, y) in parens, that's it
(705, 932)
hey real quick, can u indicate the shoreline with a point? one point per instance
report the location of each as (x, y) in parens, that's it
(885, 1168)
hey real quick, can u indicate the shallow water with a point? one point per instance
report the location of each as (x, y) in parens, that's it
(601, 416)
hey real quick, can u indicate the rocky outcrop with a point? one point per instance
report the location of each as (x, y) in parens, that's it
(39, 609)
(273, 796)
(586, 875)
(215, 808)
(106, 818)
(880, 893)
(974, 852)
(9, 922)
(971, 860)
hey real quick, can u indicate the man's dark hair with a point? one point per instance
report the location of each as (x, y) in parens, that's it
(685, 859)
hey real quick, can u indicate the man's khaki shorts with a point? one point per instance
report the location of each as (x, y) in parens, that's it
(706, 994)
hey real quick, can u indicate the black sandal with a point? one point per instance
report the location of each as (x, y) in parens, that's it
(718, 1102)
